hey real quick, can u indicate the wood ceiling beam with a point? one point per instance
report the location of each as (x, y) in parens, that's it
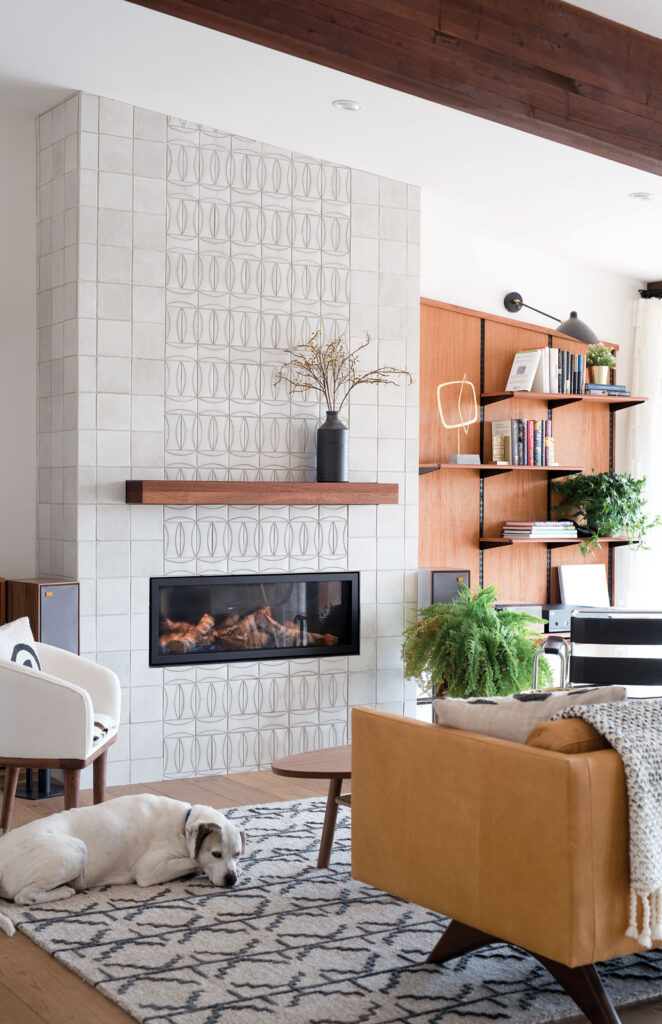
(542, 66)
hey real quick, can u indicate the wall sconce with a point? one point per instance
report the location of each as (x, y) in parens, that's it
(573, 326)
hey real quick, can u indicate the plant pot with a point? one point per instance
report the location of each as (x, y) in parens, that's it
(332, 450)
(598, 374)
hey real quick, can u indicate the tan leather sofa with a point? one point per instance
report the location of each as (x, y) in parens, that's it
(512, 842)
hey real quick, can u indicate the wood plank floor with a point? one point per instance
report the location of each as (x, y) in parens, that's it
(36, 989)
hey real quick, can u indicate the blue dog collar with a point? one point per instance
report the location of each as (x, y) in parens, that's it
(188, 815)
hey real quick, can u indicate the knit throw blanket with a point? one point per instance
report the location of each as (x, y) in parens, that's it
(634, 730)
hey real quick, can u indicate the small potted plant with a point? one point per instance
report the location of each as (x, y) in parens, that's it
(605, 504)
(600, 360)
(331, 369)
(469, 649)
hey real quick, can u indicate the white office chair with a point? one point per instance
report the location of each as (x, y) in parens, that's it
(64, 717)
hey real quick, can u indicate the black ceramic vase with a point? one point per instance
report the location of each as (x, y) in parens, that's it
(332, 450)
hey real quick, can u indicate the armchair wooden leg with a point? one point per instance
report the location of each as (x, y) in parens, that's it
(99, 777)
(71, 787)
(582, 984)
(11, 780)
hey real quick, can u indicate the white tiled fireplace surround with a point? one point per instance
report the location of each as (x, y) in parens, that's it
(176, 263)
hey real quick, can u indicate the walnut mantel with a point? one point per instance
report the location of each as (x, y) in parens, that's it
(235, 492)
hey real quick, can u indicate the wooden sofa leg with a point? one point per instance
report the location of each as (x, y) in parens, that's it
(11, 780)
(582, 984)
(71, 787)
(458, 940)
(99, 777)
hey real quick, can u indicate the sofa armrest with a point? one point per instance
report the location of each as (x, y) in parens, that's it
(525, 844)
(42, 717)
(99, 682)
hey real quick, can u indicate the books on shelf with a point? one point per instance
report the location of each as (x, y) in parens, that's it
(521, 442)
(549, 371)
(556, 529)
(618, 390)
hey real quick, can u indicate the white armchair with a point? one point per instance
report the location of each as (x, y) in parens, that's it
(65, 717)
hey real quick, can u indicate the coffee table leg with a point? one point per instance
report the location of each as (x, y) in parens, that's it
(335, 785)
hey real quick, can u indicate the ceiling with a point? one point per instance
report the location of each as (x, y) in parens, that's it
(503, 181)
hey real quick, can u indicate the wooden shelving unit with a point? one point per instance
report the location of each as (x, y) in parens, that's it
(555, 401)
(493, 469)
(234, 492)
(462, 509)
(551, 542)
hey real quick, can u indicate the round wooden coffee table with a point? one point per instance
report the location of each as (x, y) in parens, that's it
(332, 763)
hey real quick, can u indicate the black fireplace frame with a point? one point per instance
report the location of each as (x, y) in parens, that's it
(158, 660)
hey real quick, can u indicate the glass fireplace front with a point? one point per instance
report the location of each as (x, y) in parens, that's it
(229, 618)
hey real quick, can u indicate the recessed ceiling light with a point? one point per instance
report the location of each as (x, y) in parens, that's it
(645, 197)
(346, 104)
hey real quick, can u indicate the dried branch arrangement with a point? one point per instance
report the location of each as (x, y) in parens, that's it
(331, 369)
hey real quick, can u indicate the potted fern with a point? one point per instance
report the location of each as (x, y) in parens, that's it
(469, 649)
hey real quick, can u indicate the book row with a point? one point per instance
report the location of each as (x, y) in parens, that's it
(520, 442)
(549, 371)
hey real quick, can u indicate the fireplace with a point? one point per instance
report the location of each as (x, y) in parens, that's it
(232, 618)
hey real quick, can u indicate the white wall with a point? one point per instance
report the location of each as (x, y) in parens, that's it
(463, 265)
(18, 290)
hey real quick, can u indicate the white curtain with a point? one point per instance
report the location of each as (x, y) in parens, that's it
(638, 574)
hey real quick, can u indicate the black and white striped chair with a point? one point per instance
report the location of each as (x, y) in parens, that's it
(611, 645)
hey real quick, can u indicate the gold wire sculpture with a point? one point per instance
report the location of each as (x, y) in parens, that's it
(464, 421)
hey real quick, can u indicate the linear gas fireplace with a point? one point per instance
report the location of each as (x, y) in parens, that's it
(229, 618)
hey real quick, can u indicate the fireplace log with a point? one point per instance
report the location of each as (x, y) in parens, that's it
(193, 637)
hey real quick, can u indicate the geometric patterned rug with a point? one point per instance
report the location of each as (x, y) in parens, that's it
(294, 945)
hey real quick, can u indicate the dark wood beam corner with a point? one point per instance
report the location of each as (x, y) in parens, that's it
(544, 67)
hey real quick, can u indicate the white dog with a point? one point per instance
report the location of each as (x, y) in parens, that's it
(145, 839)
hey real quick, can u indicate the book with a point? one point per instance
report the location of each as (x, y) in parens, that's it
(607, 391)
(500, 430)
(514, 450)
(537, 438)
(529, 443)
(523, 370)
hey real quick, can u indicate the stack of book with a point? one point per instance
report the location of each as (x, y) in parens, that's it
(619, 390)
(549, 371)
(557, 529)
(523, 442)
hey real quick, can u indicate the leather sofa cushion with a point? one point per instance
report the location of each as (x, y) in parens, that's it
(513, 717)
(567, 736)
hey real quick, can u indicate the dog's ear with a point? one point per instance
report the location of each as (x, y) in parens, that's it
(196, 836)
(243, 841)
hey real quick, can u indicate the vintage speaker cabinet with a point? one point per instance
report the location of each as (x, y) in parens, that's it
(52, 606)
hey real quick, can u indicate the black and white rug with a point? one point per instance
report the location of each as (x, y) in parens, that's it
(294, 945)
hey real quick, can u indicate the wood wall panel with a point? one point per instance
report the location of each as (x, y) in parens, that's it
(448, 521)
(449, 500)
(451, 349)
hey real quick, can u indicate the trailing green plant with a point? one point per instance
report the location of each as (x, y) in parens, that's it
(600, 355)
(607, 504)
(469, 649)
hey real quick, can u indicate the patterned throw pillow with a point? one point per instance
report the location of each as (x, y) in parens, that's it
(17, 644)
(512, 718)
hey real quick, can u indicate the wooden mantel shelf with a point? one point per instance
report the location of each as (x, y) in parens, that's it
(261, 492)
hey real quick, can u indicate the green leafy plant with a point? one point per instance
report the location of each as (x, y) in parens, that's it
(607, 504)
(600, 355)
(469, 649)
